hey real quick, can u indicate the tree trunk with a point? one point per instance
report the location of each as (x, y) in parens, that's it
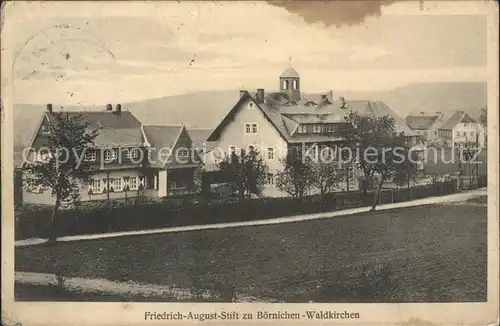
(53, 222)
(322, 198)
(409, 190)
(377, 194)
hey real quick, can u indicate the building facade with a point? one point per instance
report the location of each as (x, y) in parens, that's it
(277, 121)
(127, 158)
(460, 129)
(426, 125)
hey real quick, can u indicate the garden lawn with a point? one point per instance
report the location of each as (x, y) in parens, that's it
(434, 253)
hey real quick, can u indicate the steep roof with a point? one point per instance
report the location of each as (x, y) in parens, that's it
(271, 114)
(421, 122)
(118, 130)
(199, 137)
(106, 119)
(375, 108)
(129, 137)
(289, 73)
(286, 122)
(456, 118)
(163, 140)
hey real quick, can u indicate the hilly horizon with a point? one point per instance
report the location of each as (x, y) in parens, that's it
(205, 109)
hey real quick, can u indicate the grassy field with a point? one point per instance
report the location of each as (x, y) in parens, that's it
(432, 253)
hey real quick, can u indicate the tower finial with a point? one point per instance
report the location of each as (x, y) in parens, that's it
(290, 61)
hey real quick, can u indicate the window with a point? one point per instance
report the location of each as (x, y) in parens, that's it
(127, 153)
(471, 133)
(133, 183)
(270, 153)
(457, 133)
(302, 129)
(316, 128)
(116, 183)
(285, 84)
(183, 152)
(270, 178)
(329, 127)
(90, 155)
(110, 154)
(295, 84)
(45, 129)
(251, 128)
(95, 186)
(134, 153)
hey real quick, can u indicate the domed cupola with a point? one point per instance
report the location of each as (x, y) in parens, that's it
(290, 82)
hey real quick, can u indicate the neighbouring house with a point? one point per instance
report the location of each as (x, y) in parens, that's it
(461, 128)
(124, 157)
(275, 122)
(172, 162)
(426, 125)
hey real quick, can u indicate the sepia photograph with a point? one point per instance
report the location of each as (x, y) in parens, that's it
(224, 156)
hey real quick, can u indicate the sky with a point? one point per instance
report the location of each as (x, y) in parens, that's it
(84, 53)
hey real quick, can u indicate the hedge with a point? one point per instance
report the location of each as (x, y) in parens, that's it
(34, 222)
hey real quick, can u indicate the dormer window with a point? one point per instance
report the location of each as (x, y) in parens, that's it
(134, 153)
(110, 154)
(90, 155)
(45, 129)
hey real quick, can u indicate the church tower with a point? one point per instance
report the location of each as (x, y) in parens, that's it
(290, 82)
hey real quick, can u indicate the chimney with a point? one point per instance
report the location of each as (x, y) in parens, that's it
(260, 95)
(118, 108)
(422, 113)
(242, 92)
(109, 107)
(49, 108)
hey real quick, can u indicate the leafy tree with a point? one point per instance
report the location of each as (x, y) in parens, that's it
(325, 177)
(380, 150)
(483, 118)
(295, 178)
(61, 168)
(365, 134)
(407, 170)
(246, 172)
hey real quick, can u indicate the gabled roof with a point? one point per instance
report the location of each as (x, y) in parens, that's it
(163, 140)
(456, 118)
(421, 122)
(271, 114)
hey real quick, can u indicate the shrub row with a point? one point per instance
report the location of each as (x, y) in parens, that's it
(137, 215)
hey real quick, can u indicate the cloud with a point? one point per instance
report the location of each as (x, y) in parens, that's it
(334, 13)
